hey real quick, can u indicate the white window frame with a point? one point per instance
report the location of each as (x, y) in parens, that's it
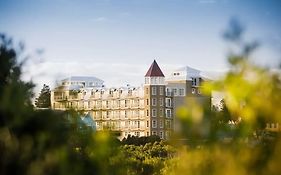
(161, 135)
(161, 112)
(168, 102)
(154, 102)
(168, 124)
(161, 101)
(181, 92)
(154, 112)
(168, 114)
(161, 124)
(161, 90)
(154, 123)
(154, 90)
(175, 91)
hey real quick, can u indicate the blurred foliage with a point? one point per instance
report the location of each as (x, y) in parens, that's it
(45, 141)
(44, 98)
(148, 158)
(134, 140)
(233, 140)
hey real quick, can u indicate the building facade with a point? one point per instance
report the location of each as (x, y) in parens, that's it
(140, 111)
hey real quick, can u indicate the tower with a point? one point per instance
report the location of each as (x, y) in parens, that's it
(154, 99)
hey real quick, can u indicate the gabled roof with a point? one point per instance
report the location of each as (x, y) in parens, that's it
(154, 71)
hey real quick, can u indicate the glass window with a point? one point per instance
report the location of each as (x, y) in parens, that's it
(154, 102)
(161, 101)
(154, 113)
(154, 91)
(154, 124)
(168, 113)
(181, 92)
(161, 135)
(175, 91)
(168, 124)
(161, 112)
(161, 90)
(161, 123)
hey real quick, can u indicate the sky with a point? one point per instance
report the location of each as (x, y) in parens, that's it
(117, 40)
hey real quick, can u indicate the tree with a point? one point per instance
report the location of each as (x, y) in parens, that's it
(253, 94)
(45, 141)
(44, 99)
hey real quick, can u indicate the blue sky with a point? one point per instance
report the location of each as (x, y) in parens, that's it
(117, 40)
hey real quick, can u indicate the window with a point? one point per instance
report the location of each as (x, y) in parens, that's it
(146, 90)
(181, 92)
(125, 114)
(147, 101)
(147, 112)
(126, 103)
(154, 124)
(161, 90)
(161, 123)
(147, 133)
(154, 91)
(138, 124)
(161, 135)
(154, 102)
(168, 124)
(154, 113)
(196, 81)
(161, 112)
(154, 133)
(168, 102)
(161, 101)
(146, 80)
(175, 91)
(168, 113)
(130, 92)
(147, 124)
(137, 133)
(193, 90)
(153, 80)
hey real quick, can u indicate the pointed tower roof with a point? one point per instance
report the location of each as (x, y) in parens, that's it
(154, 71)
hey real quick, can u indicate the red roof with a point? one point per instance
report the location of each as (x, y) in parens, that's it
(154, 71)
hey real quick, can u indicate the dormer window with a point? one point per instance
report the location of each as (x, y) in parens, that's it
(196, 81)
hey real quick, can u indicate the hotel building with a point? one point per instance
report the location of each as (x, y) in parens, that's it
(140, 111)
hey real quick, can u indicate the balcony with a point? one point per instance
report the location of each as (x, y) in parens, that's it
(60, 98)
